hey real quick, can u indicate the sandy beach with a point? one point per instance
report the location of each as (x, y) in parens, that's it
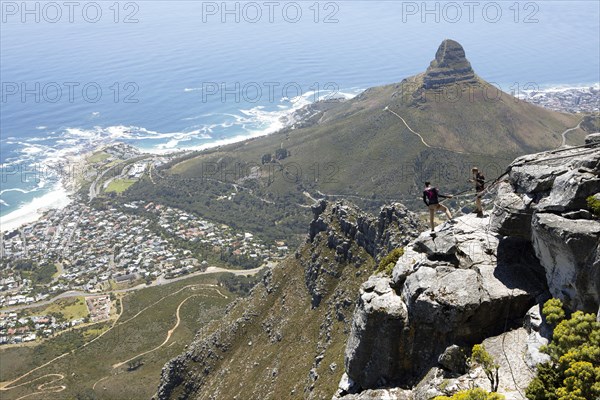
(59, 197)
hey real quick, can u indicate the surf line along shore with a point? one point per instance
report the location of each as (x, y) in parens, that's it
(61, 194)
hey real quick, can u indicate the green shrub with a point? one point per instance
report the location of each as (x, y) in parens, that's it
(481, 357)
(387, 263)
(573, 372)
(553, 311)
(472, 394)
(593, 204)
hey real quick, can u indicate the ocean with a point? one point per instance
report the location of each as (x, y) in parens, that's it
(172, 75)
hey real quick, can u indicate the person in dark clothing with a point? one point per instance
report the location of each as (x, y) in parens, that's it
(431, 199)
(479, 181)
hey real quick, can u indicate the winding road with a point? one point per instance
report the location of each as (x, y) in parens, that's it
(564, 134)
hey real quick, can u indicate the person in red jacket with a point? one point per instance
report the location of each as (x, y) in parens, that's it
(431, 199)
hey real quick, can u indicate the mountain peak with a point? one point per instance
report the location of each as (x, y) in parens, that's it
(449, 66)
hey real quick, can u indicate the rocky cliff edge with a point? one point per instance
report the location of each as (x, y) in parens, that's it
(481, 279)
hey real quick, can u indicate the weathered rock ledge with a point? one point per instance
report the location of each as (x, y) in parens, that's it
(456, 288)
(543, 200)
(480, 280)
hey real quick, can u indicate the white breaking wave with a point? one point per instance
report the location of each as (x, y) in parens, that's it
(73, 143)
(24, 191)
(57, 198)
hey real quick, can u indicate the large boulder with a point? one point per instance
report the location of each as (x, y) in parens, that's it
(512, 212)
(456, 292)
(379, 318)
(544, 200)
(569, 251)
(592, 139)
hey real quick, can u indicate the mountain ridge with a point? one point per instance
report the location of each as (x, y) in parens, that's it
(357, 147)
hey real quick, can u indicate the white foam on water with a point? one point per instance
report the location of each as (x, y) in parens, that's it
(57, 198)
(73, 142)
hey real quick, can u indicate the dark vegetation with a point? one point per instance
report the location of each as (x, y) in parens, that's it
(39, 274)
(238, 284)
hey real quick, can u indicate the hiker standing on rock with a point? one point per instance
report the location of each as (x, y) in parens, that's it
(431, 198)
(479, 181)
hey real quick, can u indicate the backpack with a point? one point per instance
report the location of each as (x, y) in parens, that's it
(431, 194)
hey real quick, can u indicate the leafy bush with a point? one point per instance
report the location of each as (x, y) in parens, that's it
(593, 204)
(472, 394)
(553, 311)
(387, 263)
(573, 372)
(481, 357)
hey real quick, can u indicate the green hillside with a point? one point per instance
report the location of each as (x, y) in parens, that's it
(367, 149)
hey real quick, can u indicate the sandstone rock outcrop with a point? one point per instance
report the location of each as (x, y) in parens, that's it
(483, 277)
(345, 224)
(457, 288)
(450, 66)
(543, 200)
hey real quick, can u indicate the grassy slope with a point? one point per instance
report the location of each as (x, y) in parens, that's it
(119, 185)
(87, 365)
(357, 148)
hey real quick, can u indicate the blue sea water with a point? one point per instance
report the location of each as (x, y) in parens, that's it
(169, 75)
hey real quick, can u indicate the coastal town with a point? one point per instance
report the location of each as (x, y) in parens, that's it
(572, 100)
(95, 251)
(28, 326)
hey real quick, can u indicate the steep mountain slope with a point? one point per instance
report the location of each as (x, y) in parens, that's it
(287, 339)
(407, 335)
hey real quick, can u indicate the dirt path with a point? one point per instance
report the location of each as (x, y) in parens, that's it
(98, 381)
(7, 385)
(44, 388)
(169, 333)
(564, 134)
(409, 128)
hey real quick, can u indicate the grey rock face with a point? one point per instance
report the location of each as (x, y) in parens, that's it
(593, 138)
(544, 201)
(569, 251)
(480, 277)
(344, 226)
(450, 66)
(512, 212)
(445, 290)
(385, 314)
